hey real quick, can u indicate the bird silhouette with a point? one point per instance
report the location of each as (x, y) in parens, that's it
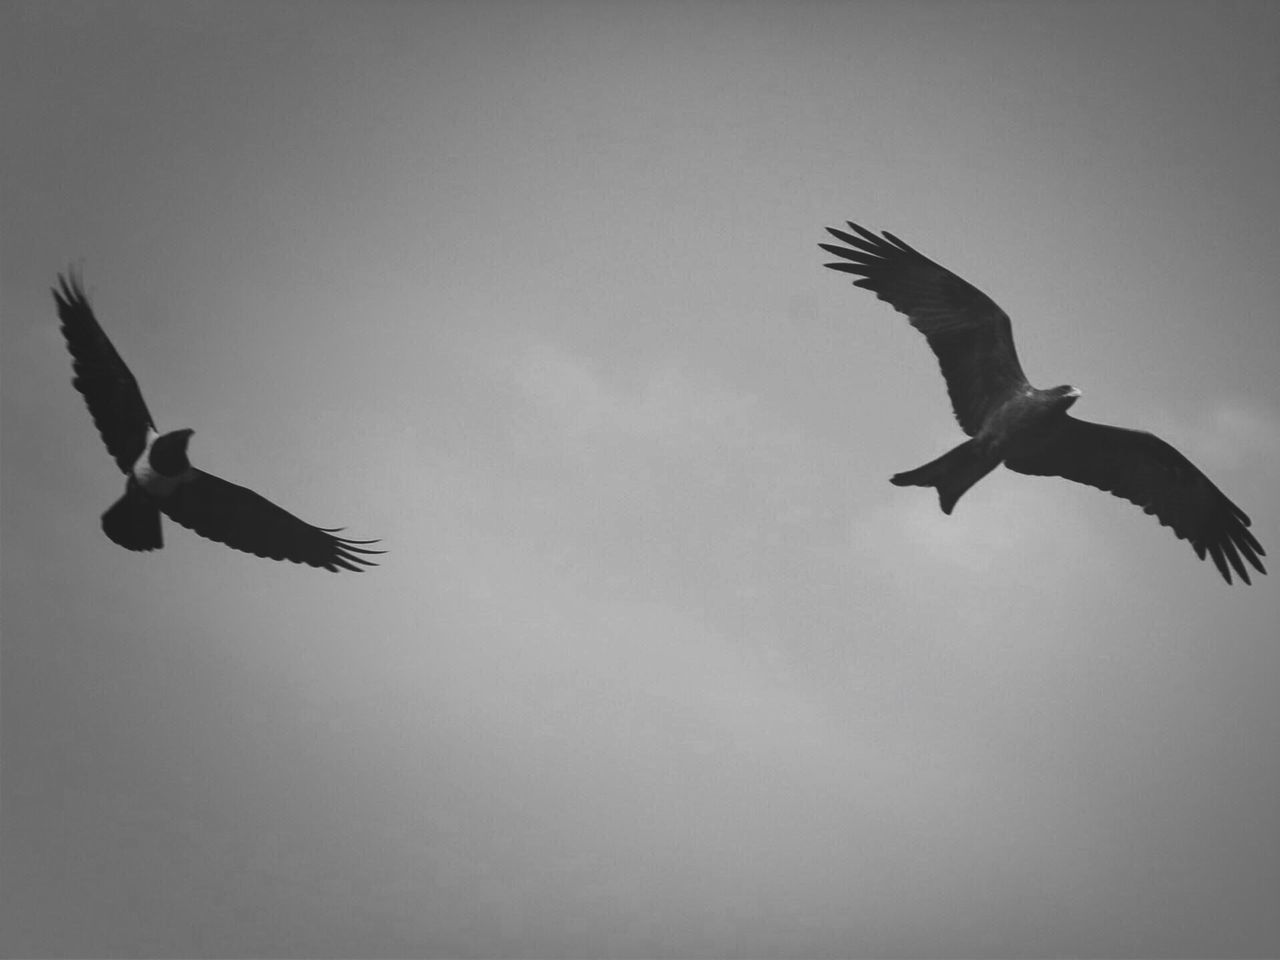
(1029, 430)
(160, 477)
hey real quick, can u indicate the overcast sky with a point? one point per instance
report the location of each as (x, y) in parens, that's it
(659, 664)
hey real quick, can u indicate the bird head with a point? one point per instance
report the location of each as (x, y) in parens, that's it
(169, 453)
(1067, 394)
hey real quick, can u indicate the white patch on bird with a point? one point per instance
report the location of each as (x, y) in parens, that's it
(157, 484)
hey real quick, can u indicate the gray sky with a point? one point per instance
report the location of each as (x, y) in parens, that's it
(659, 664)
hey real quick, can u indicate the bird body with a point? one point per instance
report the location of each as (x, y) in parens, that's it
(133, 521)
(163, 463)
(159, 475)
(1027, 429)
(1009, 429)
(1024, 415)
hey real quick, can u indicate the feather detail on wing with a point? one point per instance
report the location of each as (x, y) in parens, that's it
(969, 334)
(240, 518)
(1147, 471)
(109, 389)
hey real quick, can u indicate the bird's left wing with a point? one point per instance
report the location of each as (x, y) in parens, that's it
(971, 336)
(109, 389)
(240, 518)
(1147, 471)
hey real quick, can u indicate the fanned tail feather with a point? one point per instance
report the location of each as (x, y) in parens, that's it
(952, 473)
(133, 521)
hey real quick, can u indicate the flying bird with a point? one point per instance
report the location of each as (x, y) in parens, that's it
(160, 478)
(1029, 430)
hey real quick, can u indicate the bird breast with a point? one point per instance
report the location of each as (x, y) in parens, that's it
(1017, 419)
(153, 481)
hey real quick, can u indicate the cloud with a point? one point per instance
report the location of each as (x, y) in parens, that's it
(1234, 434)
(669, 406)
(668, 444)
(1004, 524)
(1228, 435)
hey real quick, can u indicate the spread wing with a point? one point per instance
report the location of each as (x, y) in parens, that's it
(970, 335)
(109, 389)
(240, 518)
(1143, 469)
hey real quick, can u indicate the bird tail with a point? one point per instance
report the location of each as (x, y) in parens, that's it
(133, 521)
(952, 473)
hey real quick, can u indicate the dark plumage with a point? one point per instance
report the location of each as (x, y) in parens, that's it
(1026, 429)
(161, 478)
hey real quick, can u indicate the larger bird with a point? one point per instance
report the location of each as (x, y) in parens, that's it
(160, 478)
(1029, 430)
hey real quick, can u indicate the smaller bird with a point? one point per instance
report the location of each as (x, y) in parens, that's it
(160, 478)
(1029, 430)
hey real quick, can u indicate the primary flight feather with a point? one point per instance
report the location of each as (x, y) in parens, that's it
(1029, 430)
(160, 478)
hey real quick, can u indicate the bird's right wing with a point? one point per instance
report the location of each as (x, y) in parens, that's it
(240, 518)
(109, 389)
(969, 334)
(1145, 470)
